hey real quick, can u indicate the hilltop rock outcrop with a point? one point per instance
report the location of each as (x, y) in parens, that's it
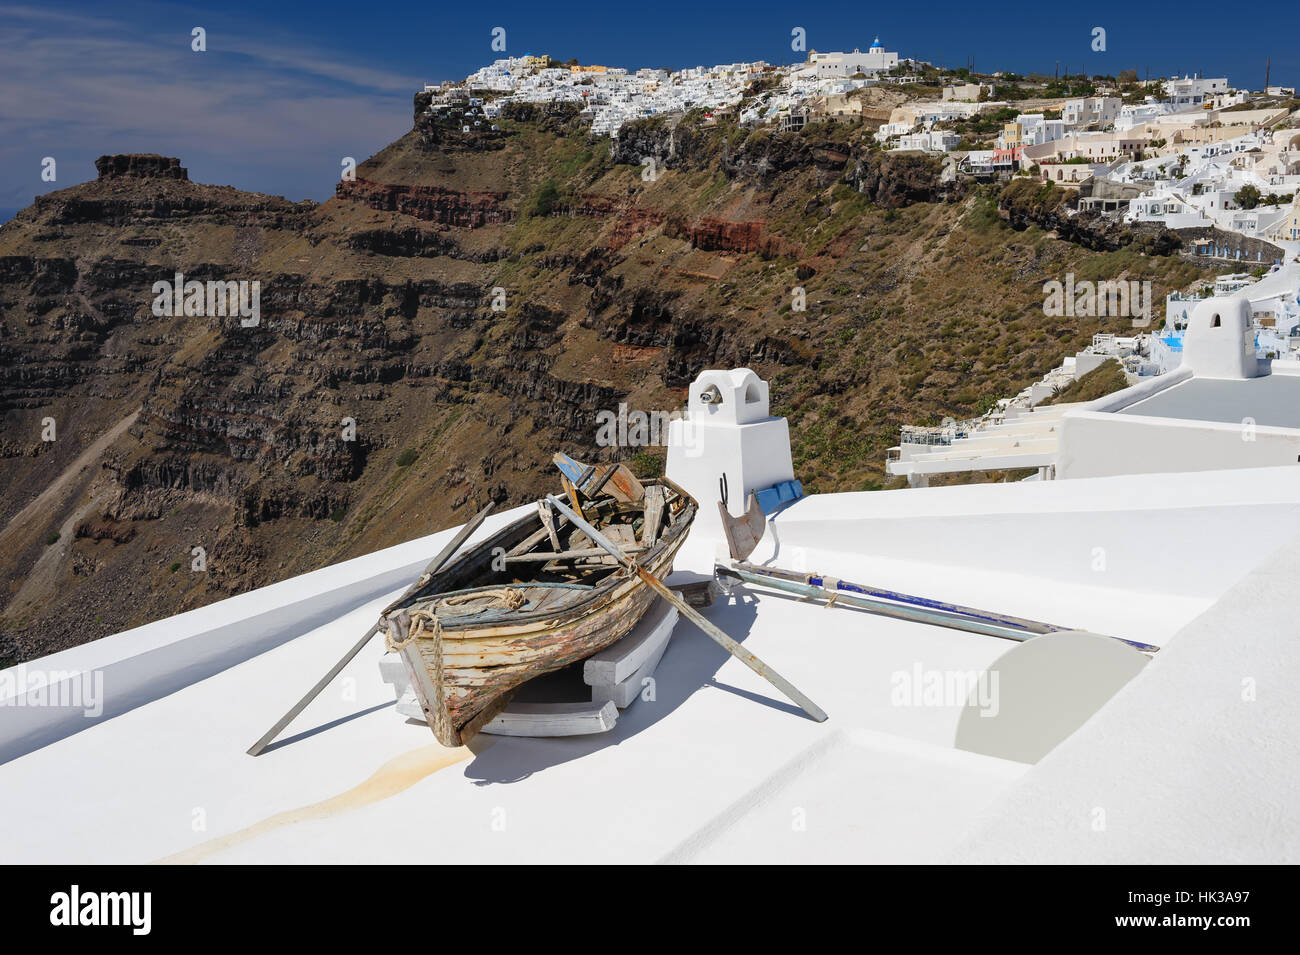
(140, 166)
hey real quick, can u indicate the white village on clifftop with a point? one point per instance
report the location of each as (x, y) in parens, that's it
(1217, 164)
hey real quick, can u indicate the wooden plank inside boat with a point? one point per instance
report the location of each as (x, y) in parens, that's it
(654, 513)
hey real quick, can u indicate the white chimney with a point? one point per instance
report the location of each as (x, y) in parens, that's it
(728, 439)
(1220, 342)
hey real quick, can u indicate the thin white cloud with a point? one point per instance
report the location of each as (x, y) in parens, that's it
(75, 87)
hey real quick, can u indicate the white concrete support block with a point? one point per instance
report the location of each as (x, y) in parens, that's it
(518, 719)
(617, 673)
(619, 661)
(392, 669)
(625, 693)
(554, 719)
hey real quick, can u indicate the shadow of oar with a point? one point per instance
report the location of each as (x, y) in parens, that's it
(305, 734)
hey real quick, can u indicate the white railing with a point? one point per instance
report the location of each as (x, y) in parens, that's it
(911, 434)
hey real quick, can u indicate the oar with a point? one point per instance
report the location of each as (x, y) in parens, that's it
(822, 581)
(434, 566)
(955, 617)
(694, 616)
(743, 534)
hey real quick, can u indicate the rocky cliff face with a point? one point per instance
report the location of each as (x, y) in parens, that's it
(451, 207)
(424, 341)
(898, 179)
(1028, 202)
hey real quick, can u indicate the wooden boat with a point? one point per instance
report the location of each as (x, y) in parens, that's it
(535, 597)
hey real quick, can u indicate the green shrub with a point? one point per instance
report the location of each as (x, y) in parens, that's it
(1106, 378)
(647, 463)
(545, 200)
(407, 457)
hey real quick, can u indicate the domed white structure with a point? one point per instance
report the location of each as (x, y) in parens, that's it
(1219, 342)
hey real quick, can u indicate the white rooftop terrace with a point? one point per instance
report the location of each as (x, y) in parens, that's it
(1222, 407)
(719, 767)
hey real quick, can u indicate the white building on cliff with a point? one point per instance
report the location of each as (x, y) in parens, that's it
(874, 62)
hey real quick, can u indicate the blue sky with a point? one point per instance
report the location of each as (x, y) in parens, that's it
(286, 89)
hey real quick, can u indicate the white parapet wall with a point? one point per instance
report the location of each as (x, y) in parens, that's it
(1109, 551)
(1177, 421)
(1097, 445)
(63, 693)
(1190, 765)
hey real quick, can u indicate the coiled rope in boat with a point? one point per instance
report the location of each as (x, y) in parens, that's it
(508, 597)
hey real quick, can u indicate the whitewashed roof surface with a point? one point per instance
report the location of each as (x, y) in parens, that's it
(719, 767)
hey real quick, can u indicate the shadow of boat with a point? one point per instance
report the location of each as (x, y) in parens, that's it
(689, 664)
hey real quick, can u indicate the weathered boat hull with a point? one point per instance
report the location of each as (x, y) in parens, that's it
(464, 675)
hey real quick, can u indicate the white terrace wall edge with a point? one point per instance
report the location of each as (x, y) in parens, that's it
(1187, 534)
(1096, 445)
(149, 662)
